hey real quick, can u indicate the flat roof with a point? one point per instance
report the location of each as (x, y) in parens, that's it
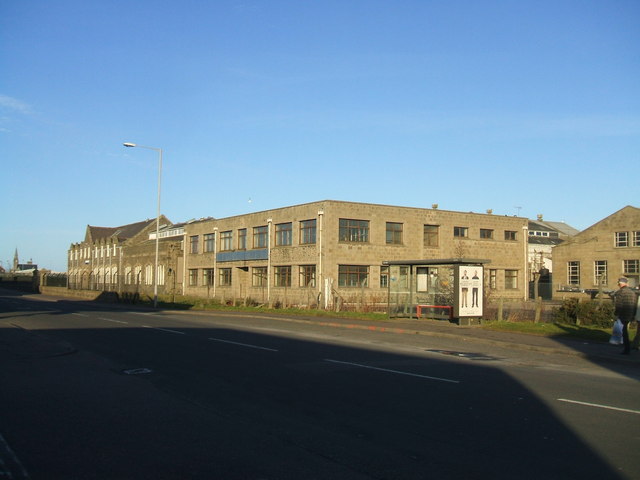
(439, 261)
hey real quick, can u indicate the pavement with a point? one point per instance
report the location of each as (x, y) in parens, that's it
(478, 334)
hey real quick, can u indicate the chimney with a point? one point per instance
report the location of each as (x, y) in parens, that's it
(489, 211)
(539, 217)
(434, 206)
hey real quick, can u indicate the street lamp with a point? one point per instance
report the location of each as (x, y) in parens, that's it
(155, 274)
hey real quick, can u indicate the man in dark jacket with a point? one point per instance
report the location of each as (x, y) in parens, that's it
(625, 310)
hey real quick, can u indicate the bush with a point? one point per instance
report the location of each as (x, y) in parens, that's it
(593, 312)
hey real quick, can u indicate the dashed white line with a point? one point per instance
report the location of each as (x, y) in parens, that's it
(112, 320)
(163, 329)
(596, 405)
(399, 372)
(243, 344)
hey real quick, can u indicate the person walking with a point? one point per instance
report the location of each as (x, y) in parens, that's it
(625, 310)
(635, 345)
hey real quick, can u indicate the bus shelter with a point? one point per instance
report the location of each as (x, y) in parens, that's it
(444, 289)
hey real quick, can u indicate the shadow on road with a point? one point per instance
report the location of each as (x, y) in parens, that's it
(101, 396)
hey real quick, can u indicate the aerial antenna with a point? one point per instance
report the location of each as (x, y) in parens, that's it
(518, 209)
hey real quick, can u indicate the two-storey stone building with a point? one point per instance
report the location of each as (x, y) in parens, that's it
(599, 255)
(314, 253)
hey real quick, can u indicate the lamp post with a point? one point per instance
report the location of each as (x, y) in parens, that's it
(155, 274)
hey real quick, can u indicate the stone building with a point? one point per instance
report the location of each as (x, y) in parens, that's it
(543, 236)
(121, 259)
(315, 253)
(599, 255)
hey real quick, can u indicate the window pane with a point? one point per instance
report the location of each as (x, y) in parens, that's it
(307, 232)
(260, 236)
(354, 230)
(431, 235)
(353, 276)
(307, 275)
(283, 234)
(259, 276)
(394, 233)
(460, 231)
(573, 273)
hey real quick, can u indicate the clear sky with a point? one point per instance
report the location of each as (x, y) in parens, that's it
(524, 107)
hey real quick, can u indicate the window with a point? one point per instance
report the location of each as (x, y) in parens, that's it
(635, 240)
(394, 233)
(127, 276)
(353, 276)
(148, 275)
(631, 266)
(208, 277)
(510, 235)
(194, 243)
(600, 272)
(160, 275)
(511, 279)
(460, 232)
(282, 276)
(226, 241)
(573, 273)
(225, 277)
(354, 230)
(486, 233)
(259, 277)
(431, 235)
(308, 276)
(260, 236)
(209, 242)
(493, 279)
(242, 239)
(384, 276)
(307, 232)
(622, 239)
(283, 234)
(193, 277)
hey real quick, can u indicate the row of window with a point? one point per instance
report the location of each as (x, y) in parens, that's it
(282, 276)
(600, 271)
(259, 237)
(356, 276)
(627, 239)
(97, 252)
(132, 275)
(349, 230)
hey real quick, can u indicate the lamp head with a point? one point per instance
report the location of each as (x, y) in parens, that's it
(128, 144)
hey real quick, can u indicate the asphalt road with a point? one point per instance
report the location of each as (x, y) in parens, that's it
(88, 391)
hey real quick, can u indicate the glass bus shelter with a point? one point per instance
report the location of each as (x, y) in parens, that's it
(443, 289)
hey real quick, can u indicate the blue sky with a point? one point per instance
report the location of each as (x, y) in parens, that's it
(524, 107)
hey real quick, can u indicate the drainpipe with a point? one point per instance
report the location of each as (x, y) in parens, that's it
(184, 263)
(320, 271)
(269, 222)
(525, 241)
(215, 259)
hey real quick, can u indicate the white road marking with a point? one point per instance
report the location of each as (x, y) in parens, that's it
(163, 329)
(112, 320)
(607, 407)
(14, 471)
(243, 344)
(80, 314)
(392, 371)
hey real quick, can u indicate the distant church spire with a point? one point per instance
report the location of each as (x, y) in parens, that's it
(15, 260)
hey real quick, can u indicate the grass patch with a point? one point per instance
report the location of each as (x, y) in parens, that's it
(593, 333)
